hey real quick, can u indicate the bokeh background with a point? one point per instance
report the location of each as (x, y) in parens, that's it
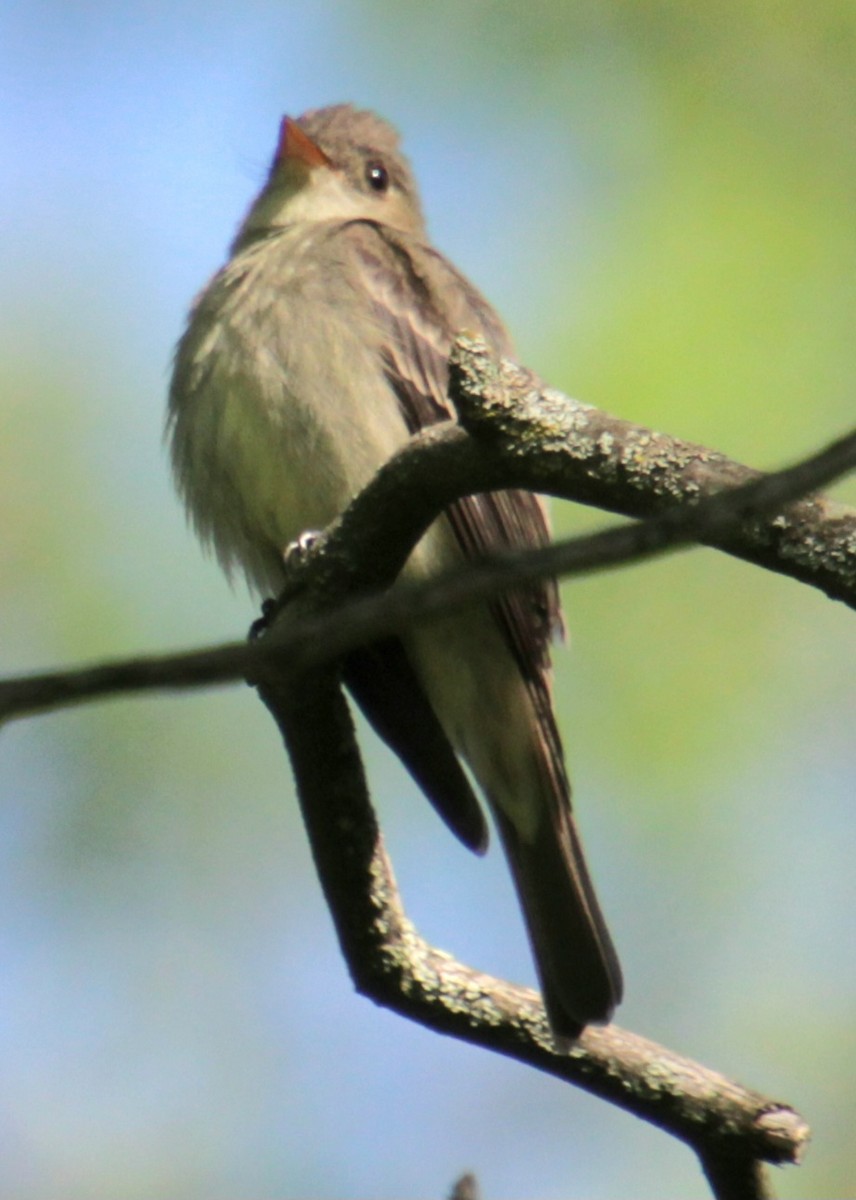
(660, 200)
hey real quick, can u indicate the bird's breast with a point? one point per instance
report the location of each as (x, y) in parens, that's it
(280, 411)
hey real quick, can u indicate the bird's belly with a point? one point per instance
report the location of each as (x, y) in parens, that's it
(280, 454)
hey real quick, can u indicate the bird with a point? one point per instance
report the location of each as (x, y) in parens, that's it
(308, 360)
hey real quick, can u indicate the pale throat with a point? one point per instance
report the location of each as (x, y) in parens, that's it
(325, 196)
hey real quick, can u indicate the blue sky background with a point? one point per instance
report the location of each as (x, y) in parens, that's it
(661, 207)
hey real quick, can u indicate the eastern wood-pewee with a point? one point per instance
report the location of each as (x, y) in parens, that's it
(308, 360)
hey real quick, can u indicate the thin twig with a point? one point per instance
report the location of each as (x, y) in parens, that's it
(368, 544)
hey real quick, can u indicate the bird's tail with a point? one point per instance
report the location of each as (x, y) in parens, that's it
(574, 955)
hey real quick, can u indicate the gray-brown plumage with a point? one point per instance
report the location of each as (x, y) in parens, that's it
(307, 361)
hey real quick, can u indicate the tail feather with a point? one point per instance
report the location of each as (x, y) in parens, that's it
(574, 955)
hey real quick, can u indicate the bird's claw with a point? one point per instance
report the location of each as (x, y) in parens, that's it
(298, 550)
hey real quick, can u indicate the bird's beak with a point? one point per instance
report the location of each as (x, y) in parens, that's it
(295, 148)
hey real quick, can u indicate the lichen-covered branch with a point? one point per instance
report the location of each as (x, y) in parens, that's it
(523, 434)
(594, 458)
(525, 438)
(513, 433)
(732, 1129)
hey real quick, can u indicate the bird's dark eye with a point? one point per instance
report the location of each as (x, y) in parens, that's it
(377, 176)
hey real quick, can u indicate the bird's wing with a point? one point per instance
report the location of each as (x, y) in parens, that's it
(416, 340)
(382, 680)
(577, 963)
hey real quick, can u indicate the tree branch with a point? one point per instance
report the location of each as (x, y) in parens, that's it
(733, 1130)
(513, 433)
(619, 466)
(525, 435)
(526, 438)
